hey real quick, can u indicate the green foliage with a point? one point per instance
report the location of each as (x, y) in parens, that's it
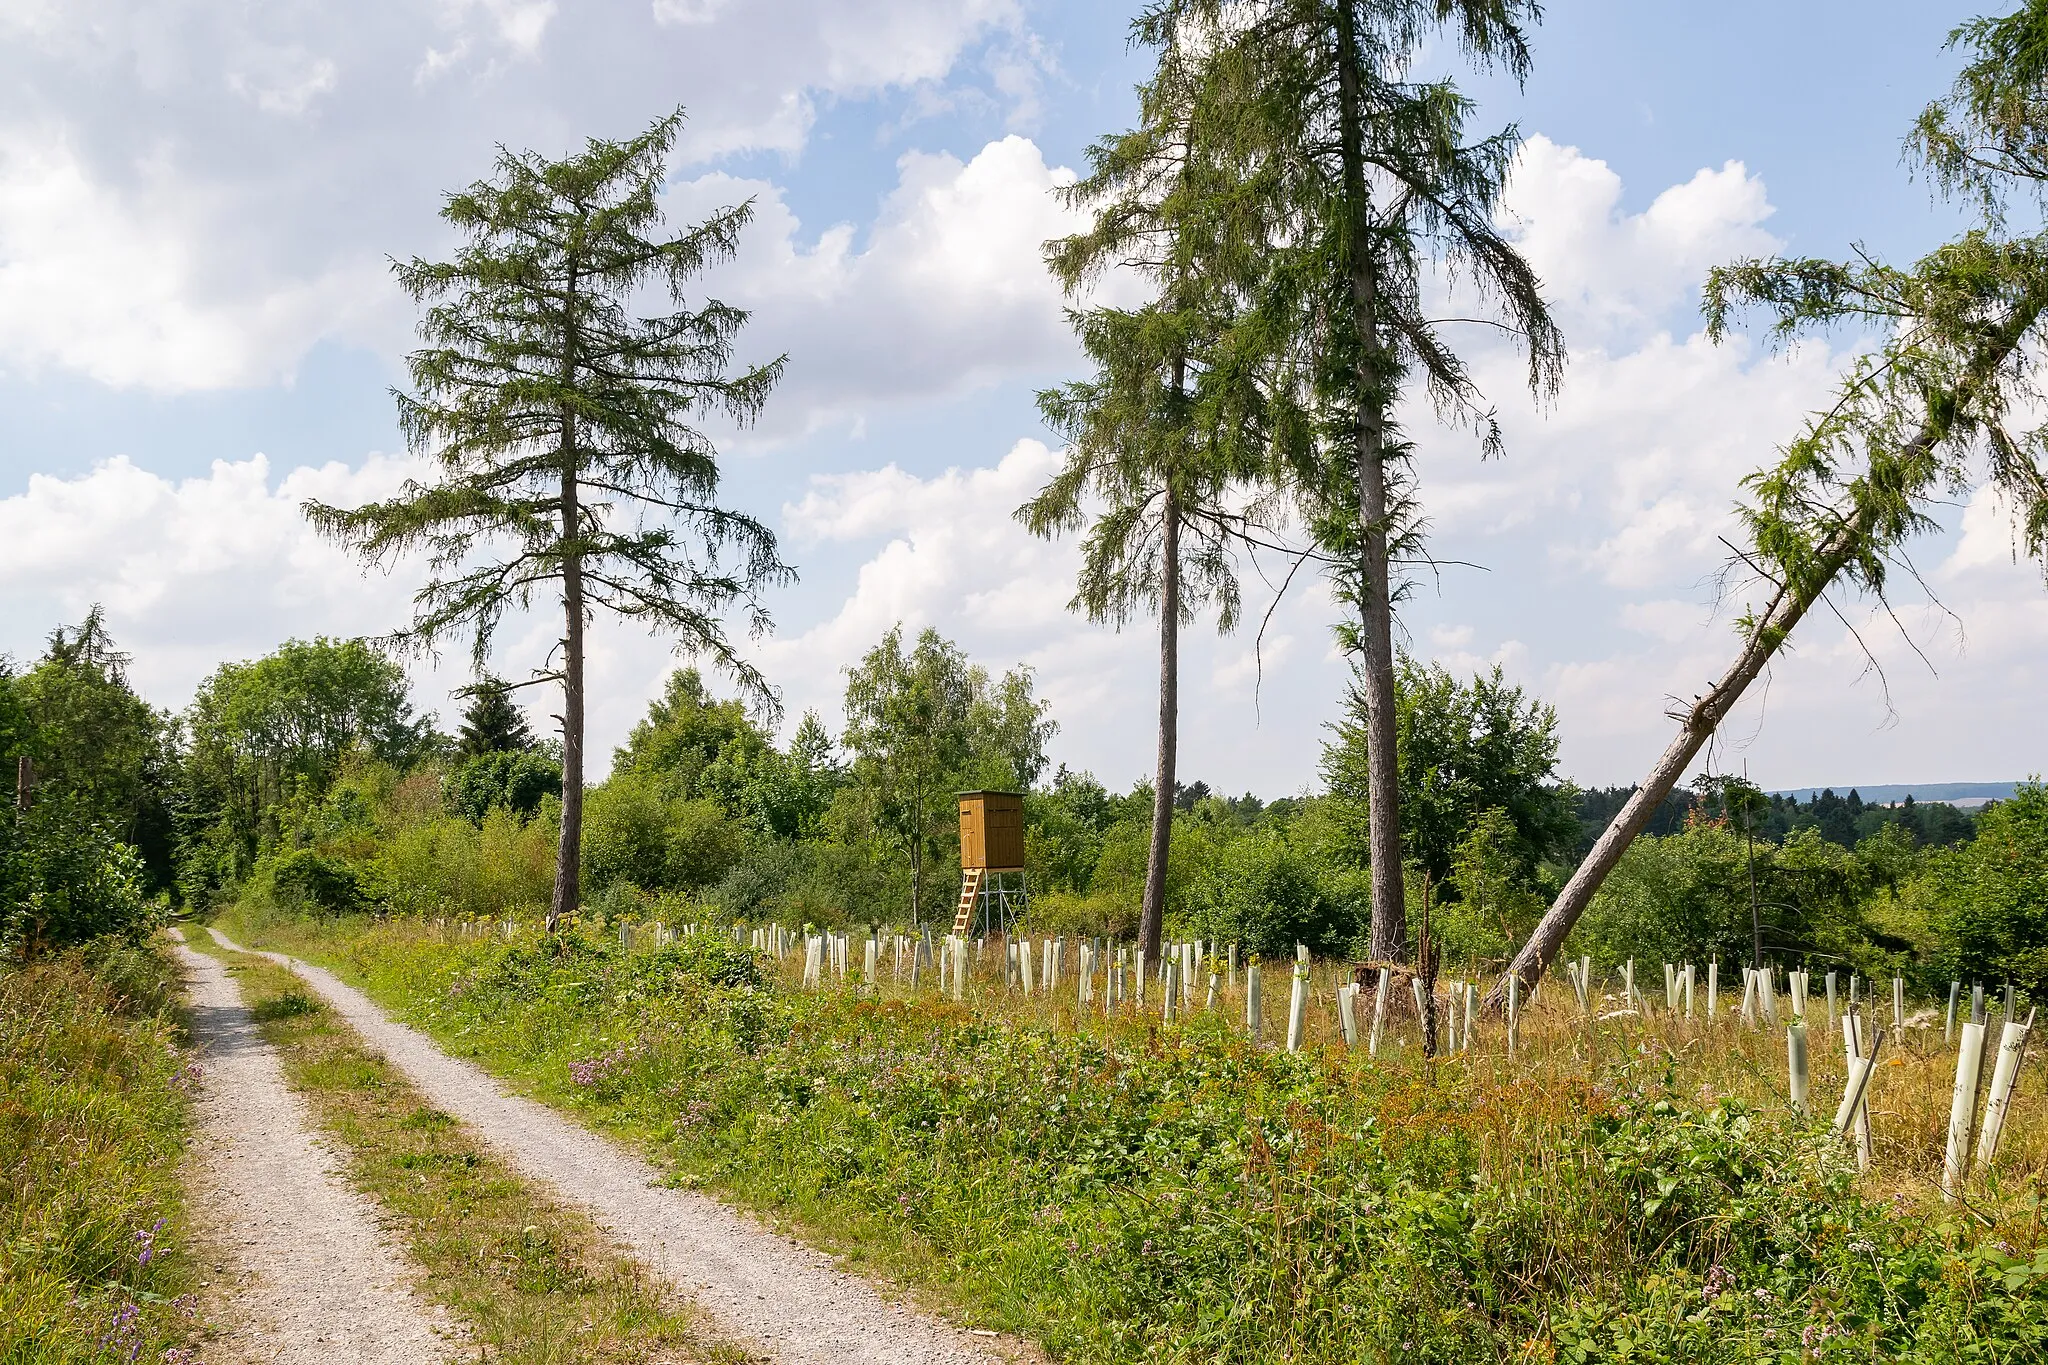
(1265, 894)
(636, 831)
(1492, 907)
(95, 742)
(92, 1141)
(66, 877)
(301, 881)
(492, 723)
(536, 377)
(1685, 898)
(1989, 898)
(512, 780)
(1464, 749)
(268, 737)
(926, 724)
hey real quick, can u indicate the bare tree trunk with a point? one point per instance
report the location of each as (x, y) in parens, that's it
(1152, 919)
(1910, 472)
(1376, 608)
(568, 856)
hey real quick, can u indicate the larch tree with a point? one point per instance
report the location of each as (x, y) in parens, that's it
(562, 426)
(1948, 399)
(1165, 439)
(1378, 189)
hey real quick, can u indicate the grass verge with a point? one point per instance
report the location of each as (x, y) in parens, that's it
(93, 1081)
(534, 1282)
(1146, 1193)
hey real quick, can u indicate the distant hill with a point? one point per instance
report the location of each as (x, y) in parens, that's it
(1883, 793)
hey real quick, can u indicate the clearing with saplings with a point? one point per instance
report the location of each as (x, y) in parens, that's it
(880, 1029)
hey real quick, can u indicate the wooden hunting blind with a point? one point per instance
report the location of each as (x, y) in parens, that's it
(992, 831)
(991, 860)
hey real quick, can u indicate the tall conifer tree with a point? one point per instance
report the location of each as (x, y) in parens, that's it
(1164, 440)
(1374, 184)
(560, 425)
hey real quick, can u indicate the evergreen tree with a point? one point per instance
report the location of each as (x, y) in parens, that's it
(1165, 437)
(492, 723)
(1372, 180)
(560, 424)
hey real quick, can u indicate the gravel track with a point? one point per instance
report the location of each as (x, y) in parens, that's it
(776, 1297)
(311, 1280)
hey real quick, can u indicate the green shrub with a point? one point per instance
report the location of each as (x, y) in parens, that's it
(1989, 898)
(67, 878)
(305, 882)
(517, 782)
(1263, 893)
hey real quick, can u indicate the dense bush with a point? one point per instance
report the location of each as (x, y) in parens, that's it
(303, 881)
(516, 781)
(66, 878)
(1265, 894)
(1988, 899)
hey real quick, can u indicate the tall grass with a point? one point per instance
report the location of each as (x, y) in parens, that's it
(1121, 1190)
(93, 1085)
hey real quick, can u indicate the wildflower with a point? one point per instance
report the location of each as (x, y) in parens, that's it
(147, 1236)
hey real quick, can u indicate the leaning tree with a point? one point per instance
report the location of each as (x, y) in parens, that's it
(1949, 398)
(561, 426)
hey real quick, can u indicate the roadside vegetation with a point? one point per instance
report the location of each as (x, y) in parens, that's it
(95, 1251)
(1120, 1190)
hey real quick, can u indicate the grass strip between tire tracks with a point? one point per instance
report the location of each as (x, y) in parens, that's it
(532, 1281)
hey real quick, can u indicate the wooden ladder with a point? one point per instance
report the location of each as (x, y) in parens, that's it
(970, 892)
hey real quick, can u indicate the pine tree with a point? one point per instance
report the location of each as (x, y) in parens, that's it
(1371, 178)
(1165, 439)
(491, 723)
(560, 426)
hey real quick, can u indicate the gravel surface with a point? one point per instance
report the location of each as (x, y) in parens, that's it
(309, 1278)
(767, 1292)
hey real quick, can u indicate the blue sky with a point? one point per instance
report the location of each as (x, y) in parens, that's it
(196, 202)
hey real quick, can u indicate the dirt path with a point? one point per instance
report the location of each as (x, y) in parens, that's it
(784, 1300)
(310, 1279)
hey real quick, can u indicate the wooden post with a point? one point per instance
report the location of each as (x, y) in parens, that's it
(2012, 1046)
(1955, 1168)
